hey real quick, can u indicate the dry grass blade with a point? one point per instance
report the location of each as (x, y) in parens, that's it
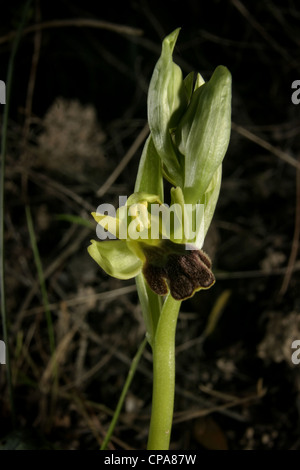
(82, 299)
(255, 273)
(79, 23)
(189, 415)
(125, 160)
(266, 145)
(262, 31)
(57, 358)
(295, 242)
(73, 247)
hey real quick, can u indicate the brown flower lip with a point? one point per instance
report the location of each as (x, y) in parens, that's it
(173, 267)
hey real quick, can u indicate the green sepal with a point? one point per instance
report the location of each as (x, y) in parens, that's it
(210, 198)
(115, 258)
(167, 101)
(149, 176)
(202, 136)
(189, 85)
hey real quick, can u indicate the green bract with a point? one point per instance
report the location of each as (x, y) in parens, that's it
(167, 99)
(202, 135)
(190, 123)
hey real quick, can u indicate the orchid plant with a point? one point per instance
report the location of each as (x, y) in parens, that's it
(160, 245)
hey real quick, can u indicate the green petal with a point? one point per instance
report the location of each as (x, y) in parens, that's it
(115, 258)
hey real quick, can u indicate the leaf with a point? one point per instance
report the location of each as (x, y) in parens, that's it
(75, 219)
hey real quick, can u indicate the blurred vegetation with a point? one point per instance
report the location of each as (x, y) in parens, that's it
(78, 105)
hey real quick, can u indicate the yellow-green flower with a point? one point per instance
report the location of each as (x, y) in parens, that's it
(148, 244)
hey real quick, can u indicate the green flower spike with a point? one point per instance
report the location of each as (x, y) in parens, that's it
(161, 246)
(189, 135)
(189, 123)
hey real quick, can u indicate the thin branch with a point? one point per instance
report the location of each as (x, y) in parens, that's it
(124, 162)
(266, 145)
(221, 276)
(79, 23)
(264, 34)
(295, 243)
(189, 415)
(30, 92)
(82, 299)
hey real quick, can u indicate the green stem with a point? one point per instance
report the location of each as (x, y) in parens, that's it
(163, 376)
(151, 306)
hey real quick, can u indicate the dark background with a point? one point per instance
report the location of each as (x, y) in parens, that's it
(237, 388)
